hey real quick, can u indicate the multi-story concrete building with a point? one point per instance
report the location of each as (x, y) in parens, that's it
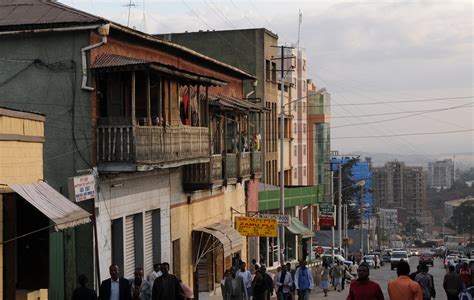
(399, 186)
(441, 174)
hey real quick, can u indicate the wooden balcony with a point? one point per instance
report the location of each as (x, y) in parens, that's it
(231, 167)
(127, 147)
(203, 176)
(256, 165)
(244, 164)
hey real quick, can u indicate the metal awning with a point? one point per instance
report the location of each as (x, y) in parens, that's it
(298, 227)
(60, 210)
(228, 102)
(219, 234)
(114, 63)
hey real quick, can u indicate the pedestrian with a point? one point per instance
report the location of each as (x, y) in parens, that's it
(345, 271)
(283, 283)
(114, 288)
(404, 288)
(167, 286)
(452, 284)
(234, 287)
(258, 286)
(188, 292)
(292, 272)
(227, 274)
(140, 288)
(376, 261)
(83, 292)
(353, 270)
(325, 278)
(338, 274)
(154, 274)
(317, 275)
(418, 270)
(252, 266)
(426, 282)
(363, 288)
(304, 282)
(267, 278)
(246, 277)
(465, 274)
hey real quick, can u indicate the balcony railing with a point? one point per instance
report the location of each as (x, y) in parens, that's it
(256, 166)
(150, 144)
(206, 175)
(244, 164)
(231, 166)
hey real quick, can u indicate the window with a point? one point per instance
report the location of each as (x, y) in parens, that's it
(304, 149)
(295, 173)
(177, 258)
(296, 150)
(304, 128)
(294, 128)
(304, 64)
(304, 171)
(274, 72)
(304, 106)
(267, 70)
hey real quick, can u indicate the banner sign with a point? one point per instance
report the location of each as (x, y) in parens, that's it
(326, 208)
(281, 219)
(326, 222)
(256, 226)
(327, 214)
(83, 187)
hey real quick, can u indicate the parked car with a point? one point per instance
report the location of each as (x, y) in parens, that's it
(386, 257)
(398, 256)
(369, 260)
(337, 257)
(427, 258)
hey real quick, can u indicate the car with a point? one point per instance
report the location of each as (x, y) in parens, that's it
(398, 256)
(386, 257)
(427, 258)
(450, 260)
(337, 257)
(369, 260)
(379, 258)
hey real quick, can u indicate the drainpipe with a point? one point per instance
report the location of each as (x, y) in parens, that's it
(104, 32)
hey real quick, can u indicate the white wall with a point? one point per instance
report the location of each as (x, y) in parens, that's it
(128, 194)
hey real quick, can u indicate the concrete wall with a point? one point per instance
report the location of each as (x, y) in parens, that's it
(124, 195)
(206, 207)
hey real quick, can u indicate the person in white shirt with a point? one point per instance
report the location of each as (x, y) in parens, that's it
(154, 274)
(246, 277)
(283, 283)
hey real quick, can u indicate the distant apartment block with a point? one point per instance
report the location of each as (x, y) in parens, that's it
(441, 174)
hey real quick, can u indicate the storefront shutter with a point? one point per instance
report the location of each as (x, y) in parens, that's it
(148, 241)
(129, 247)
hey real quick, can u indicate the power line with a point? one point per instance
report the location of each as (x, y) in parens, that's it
(403, 134)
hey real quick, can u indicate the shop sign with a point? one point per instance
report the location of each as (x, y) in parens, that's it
(326, 221)
(283, 220)
(82, 187)
(326, 208)
(256, 226)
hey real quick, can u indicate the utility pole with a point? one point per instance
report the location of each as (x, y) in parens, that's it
(361, 221)
(281, 231)
(332, 227)
(339, 208)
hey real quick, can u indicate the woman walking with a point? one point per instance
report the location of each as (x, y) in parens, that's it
(325, 279)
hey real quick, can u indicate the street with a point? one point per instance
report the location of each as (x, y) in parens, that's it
(383, 275)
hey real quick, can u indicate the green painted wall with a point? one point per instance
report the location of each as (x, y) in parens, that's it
(270, 200)
(42, 73)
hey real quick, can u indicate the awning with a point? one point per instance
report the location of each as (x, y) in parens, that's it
(52, 204)
(298, 227)
(114, 63)
(228, 102)
(218, 234)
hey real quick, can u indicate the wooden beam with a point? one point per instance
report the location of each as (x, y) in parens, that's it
(133, 99)
(148, 99)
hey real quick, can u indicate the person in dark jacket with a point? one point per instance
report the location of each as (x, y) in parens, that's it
(258, 285)
(267, 278)
(83, 292)
(452, 284)
(115, 288)
(167, 286)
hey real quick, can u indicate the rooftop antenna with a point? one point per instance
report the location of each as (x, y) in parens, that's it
(300, 20)
(129, 5)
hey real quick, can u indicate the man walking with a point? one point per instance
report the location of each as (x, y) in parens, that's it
(114, 288)
(234, 287)
(246, 277)
(465, 274)
(83, 292)
(363, 288)
(154, 274)
(403, 288)
(140, 288)
(283, 283)
(167, 286)
(452, 284)
(267, 278)
(426, 282)
(303, 281)
(338, 273)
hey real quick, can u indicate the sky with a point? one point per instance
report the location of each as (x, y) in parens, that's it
(412, 54)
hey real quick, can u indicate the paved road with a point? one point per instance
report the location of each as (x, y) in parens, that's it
(383, 275)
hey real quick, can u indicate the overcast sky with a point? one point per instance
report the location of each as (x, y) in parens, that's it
(361, 51)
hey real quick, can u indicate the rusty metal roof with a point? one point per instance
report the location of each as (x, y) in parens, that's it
(24, 13)
(112, 62)
(233, 103)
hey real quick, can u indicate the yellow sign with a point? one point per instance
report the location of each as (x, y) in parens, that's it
(256, 226)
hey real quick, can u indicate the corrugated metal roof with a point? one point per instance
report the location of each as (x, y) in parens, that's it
(232, 102)
(111, 61)
(37, 12)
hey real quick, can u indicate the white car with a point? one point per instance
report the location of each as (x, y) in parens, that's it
(337, 257)
(398, 256)
(369, 259)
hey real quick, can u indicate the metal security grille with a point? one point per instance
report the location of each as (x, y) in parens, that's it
(148, 241)
(129, 247)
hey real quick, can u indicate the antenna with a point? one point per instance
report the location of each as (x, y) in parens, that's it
(144, 17)
(129, 5)
(300, 20)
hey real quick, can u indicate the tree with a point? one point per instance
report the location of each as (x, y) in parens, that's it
(350, 192)
(463, 218)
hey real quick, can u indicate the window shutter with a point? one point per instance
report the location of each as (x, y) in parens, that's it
(129, 247)
(148, 240)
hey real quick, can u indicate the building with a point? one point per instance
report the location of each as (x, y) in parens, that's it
(166, 133)
(450, 206)
(402, 187)
(441, 174)
(29, 209)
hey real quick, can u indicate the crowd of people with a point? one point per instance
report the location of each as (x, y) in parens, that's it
(158, 285)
